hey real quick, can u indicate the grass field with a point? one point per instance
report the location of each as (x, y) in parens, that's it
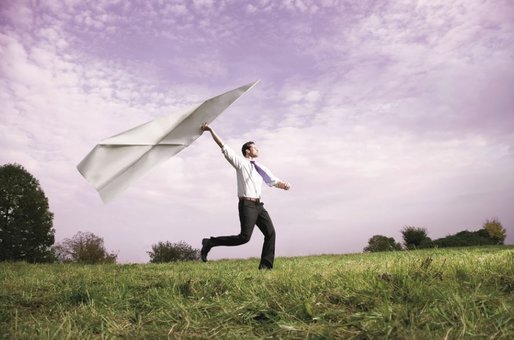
(424, 294)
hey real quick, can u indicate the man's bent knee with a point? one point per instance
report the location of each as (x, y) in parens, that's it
(244, 238)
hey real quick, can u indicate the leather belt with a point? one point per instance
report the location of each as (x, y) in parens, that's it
(250, 199)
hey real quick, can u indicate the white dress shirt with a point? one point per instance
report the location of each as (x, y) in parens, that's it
(249, 181)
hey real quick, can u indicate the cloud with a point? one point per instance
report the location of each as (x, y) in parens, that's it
(251, 8)
(435, 72)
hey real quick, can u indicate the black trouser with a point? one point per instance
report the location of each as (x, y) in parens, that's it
(251, 214)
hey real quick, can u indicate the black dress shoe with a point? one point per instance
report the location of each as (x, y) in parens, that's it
(206, 247)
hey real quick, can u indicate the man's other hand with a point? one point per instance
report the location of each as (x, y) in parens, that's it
(283, 185)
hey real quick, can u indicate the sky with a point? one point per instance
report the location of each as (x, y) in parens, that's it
(380, 114)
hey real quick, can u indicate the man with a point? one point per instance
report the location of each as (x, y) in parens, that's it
(250, 176)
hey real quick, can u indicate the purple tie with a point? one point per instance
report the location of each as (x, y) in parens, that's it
(261, 172)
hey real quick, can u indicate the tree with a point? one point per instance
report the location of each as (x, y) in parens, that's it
(495, 230)
(84, 247)
(382, 243)
(415, 238)
(171, 252)
(26, 223)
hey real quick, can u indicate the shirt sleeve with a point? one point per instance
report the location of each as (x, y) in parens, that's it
(235, 160)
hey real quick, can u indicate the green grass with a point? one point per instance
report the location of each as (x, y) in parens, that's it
(425, 294)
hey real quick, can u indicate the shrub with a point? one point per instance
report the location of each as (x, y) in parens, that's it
(465, 238)
(426, 243)
(382, 243)
(414, 238)
(171, 252)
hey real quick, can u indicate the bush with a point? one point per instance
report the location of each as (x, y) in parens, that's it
(465, 238)
(382, 243)
(171, 252)
(415, 238)
(84, 247)
(426, 243)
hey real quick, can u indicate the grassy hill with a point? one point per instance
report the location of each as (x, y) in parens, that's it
(425, 294)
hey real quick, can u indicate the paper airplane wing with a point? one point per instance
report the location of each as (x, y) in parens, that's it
(116, 162)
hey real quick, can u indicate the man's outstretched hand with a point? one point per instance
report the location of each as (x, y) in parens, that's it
(205, 127)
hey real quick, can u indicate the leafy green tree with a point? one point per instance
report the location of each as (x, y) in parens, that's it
(84, 247)
(382, 243)
(26, 223)
(415, 238)
(495, 230)
(171, 252)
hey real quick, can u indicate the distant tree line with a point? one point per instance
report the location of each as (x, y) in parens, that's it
(491, 233)
(27, 234)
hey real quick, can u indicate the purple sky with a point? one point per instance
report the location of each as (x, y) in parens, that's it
(381, 114)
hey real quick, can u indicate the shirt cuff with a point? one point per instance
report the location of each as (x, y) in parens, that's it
(273, 182)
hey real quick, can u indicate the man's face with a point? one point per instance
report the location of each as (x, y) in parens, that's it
(252, 151)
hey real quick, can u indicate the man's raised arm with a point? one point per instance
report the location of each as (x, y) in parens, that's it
(217, 139)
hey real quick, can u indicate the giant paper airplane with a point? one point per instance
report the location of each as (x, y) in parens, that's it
(116, 162)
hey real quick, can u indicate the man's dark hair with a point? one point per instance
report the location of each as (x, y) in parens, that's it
(245, 147)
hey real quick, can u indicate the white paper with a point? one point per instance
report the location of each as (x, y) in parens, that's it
(116, 162)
